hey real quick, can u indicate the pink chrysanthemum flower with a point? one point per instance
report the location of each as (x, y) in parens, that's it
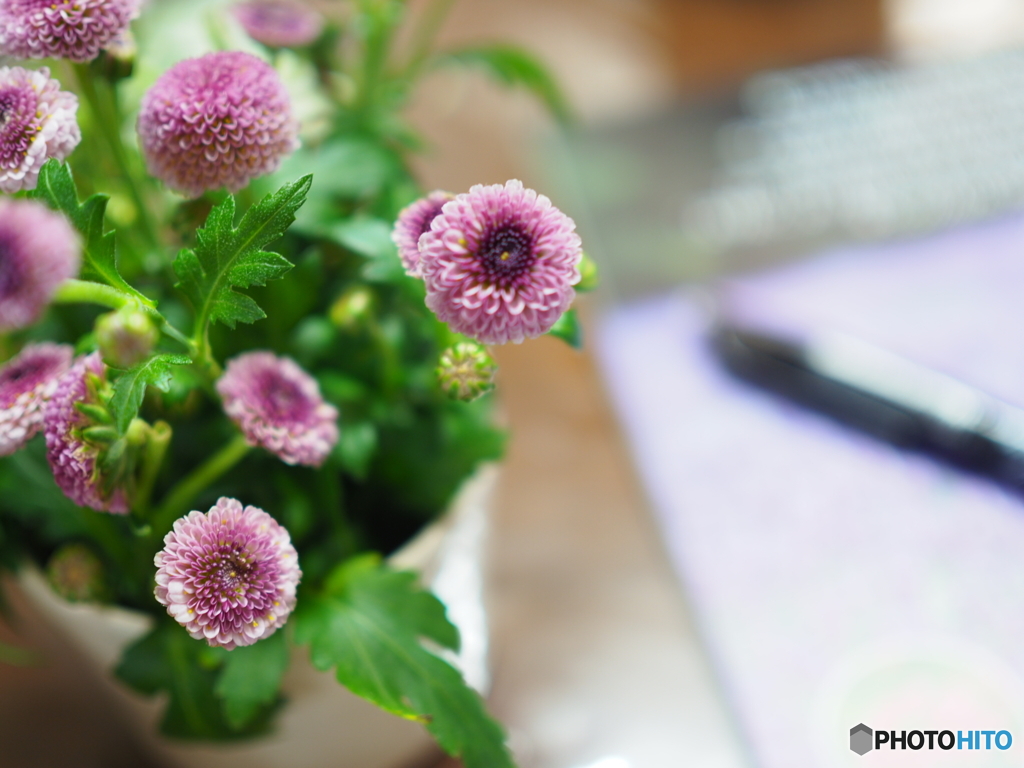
(38, 251)
(278, 406)
(62, 29)
(26, 383)
(499, 263)
(279, 23)
(217, 121)
(37, 121)
(74, 461)
(413, 221)
(228, 576)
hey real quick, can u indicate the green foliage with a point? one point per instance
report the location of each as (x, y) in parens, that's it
(168, 660)
(14, 656)
(514, 67)
(356, 446)
(99, 258)
(130, 387)
(568, 329)
(227, 257)
(251, 678)
(369, 624)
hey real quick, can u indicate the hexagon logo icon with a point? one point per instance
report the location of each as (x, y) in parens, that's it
(860, 739)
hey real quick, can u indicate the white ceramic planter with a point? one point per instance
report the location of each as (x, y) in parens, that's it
(322, 725)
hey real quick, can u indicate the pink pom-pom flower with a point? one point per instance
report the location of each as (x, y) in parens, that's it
(76, 462)
(37, 121)
(62, 29)
(413, 221)
(279, 23)
(27, 382)
(499, 263)
(278, 406)
(228, 576)
(38, 251)
(217, 121)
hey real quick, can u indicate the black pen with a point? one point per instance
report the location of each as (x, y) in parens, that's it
(883, 394)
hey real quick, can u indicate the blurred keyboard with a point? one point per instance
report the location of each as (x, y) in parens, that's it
(865, 149)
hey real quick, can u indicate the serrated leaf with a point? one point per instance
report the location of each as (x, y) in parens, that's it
(57, 189)
(251, 678)
(568, 329)
(515, 67)
(130, 387)
(369, 625)
(227, 257)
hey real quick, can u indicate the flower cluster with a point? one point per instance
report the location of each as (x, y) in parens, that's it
(27, 382)
(217, 121)
(37, 121)
(279, 23)
(38, 251)
(228, 576)
(75, 461)
(62, 29)
(278, 407)
(498, 262)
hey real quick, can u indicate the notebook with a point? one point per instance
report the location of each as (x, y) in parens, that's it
(838, 581)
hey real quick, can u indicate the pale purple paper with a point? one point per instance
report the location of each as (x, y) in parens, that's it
(800, 542)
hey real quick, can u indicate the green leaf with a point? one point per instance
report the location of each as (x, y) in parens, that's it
(366, 236)
(356, 447)
(514, 67)
(227, 257)
(130, 387)
(252, 677)
(57, 189)
(369, 625)
(167, 659)
(568, 329)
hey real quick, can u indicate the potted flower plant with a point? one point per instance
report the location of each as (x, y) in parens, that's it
(242, 359)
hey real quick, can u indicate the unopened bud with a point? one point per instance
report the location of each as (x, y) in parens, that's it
(589, 277)
(126, 337)
(466, 371)
(76, 574)
(353, 308)
(119, 61)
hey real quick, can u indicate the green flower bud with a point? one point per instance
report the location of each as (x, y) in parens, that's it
(76, 574)
(466, 371)
(589, 277)
(353, 308)
(126, 337)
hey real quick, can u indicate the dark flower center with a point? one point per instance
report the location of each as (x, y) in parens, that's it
(428, 219)
(506, 253)
(10, 275)
(16, 109)
(232, 574)
(283, 400)
(14, 373)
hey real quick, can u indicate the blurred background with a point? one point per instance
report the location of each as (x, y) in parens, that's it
(637, 622)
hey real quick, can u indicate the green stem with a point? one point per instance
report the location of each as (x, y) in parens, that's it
(333, 494)
(158, 439)
(86, 292)
(178, 500)
(425, 34)
(104, 109)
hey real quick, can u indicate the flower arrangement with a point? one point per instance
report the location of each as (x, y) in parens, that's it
(229, 437)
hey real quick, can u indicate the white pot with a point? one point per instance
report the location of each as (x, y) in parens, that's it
(322, 725)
